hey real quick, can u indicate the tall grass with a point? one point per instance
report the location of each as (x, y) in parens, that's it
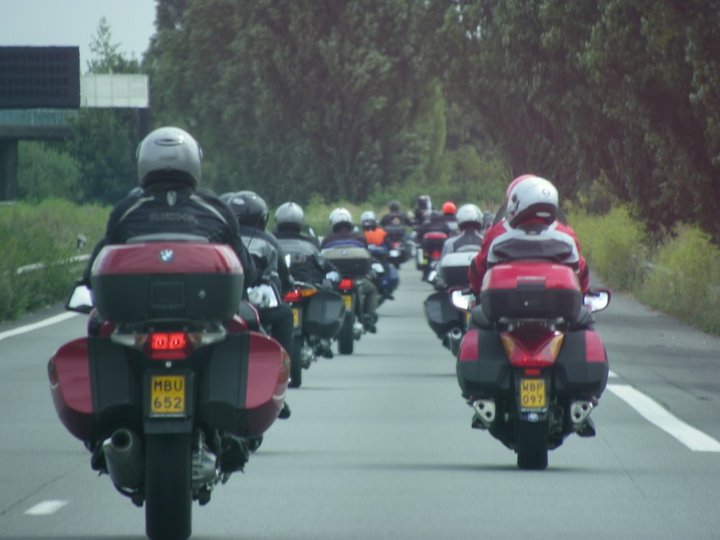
(44, 233)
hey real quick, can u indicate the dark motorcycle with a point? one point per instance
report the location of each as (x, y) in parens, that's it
(170, 390)
(446, 310)
(401, 248)
(530, 372)
(354, 265)
(429, 251)
(317, 317)
(386, 276)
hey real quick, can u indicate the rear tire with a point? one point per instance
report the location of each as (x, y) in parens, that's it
(531, 445)
(296, 363)
(346, 338)
(168, 491)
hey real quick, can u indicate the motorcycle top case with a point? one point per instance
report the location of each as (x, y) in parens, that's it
(324, 314)
(167, 280)
(351, 262)
(530, 290)
(454, 268)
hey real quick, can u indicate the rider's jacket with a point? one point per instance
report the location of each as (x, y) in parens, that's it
(309, 268)
(436, 223)
(376, 236)
(265, 251)
(395, 219)
(464, 241)
(343, 239)
(502, 242)
(165, 207)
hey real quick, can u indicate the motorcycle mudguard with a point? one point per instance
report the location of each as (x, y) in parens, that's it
(244, 384)
(323, 315)
(483, 369)
(440, 313)
(69, 375)
(581, 368)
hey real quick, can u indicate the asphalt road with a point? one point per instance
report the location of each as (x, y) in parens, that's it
(379, 446)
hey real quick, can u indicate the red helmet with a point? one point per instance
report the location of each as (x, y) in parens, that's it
(449, 208)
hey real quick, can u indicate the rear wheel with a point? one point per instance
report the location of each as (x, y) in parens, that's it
(296, 362)
(346, 338)
(531, 445)
(168, 491)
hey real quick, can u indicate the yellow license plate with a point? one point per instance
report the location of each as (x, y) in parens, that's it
(532, 394)
(296, 317)
(468, 318)
(167, 395)
(347, 300)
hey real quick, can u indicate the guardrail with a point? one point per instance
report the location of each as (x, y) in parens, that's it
(41, 266)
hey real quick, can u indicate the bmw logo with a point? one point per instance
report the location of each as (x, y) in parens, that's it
(167, 256)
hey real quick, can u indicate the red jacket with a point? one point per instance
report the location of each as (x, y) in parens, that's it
(479, 266)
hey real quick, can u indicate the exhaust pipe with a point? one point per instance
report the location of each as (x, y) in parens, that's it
(484, 413)
(124, 459)
(580, 413)
(454, 338)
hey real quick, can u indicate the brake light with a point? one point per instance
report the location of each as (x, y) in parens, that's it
(169, 345)
(537, 352)
(291, 297)
(346, 284)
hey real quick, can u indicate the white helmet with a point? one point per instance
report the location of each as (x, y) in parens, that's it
(169, 153)
(290, 214)
(534, 197)
(469, 213)
(368, 219)
(340, 216)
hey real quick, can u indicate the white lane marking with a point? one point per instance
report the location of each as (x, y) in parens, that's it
(40, 324)
(45, 508)
(612, 374)
(694, 439)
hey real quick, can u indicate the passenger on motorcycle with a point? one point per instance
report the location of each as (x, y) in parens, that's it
(423, 210)
(532, 208)
(449, 209)
(168, 201)
(376, 238)
(343, 235)
(470, 222)
(251, 213)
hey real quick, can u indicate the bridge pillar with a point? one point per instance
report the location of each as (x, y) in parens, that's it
(8, 169)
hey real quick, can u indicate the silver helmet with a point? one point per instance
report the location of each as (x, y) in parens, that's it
(169, 153)
(290, 214)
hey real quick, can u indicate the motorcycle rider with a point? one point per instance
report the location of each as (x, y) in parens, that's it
(169, 171)
(251, 213)
(394, 217)
(343, 235)
(315, 269)
(423, 209)
(449, 209)
(376, 238)
(531, 216)
(470, 223)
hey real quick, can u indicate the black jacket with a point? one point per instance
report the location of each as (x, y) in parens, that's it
(270, 263)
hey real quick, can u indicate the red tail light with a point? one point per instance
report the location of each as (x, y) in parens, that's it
(346, 284)
(169, 345)
(291, 297)
(436, 255)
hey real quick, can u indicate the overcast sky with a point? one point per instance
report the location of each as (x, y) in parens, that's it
(75, 22)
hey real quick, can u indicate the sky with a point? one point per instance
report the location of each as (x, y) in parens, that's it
(75, 23)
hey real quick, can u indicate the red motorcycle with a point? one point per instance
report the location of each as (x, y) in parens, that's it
(529, 369)
(170, 390)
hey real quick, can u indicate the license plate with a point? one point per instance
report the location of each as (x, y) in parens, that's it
(468, 318)
(296, 317)
(167, 395)
(347, 300)
(532, 394)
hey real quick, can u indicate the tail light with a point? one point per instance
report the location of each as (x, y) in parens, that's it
(171, 345)
(291, 297)
(536, 352)
(436, 255)
(346, 284)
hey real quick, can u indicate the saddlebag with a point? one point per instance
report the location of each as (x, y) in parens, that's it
(441, 315)
(531, 290)
(323, 315)
(581, 369)
(482, 369)
(454, 268)
(167, 280)
(351, 262)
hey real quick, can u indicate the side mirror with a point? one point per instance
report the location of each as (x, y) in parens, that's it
(80, 300)
(597, 300)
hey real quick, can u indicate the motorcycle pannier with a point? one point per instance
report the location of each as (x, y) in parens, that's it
(323, 316)
(531, 290)
(440, 313)
(351, 262)
(454, 268)
(167, 280)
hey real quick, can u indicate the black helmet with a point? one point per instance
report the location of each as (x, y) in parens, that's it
(394, 206)
(249, 208)
(424, 203)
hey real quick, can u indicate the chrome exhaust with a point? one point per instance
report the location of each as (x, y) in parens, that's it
(580, 413)
(484, 411)
(124, 459)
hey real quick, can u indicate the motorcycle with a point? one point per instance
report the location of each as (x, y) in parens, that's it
(446, 309)
(354, 265)
(400, 247)
(317, 317)
(429, 251)
(386, 277)
(531, 373)
(170, 390)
